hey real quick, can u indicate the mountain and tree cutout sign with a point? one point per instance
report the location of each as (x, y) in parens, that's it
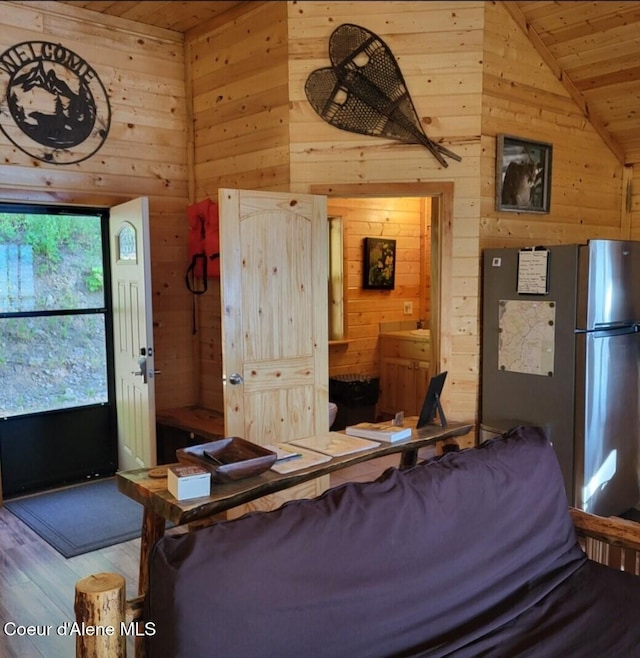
(58, 104)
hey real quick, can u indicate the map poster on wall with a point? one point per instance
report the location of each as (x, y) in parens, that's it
(526, 336)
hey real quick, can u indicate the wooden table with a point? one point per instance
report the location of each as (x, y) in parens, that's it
(160, 506)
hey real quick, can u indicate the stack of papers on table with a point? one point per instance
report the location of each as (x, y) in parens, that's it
(292, 458)
(379, 431)
(303, 453)
(334, 444)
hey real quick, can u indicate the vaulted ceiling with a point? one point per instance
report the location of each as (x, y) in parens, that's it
(594, 50)
(592, 47)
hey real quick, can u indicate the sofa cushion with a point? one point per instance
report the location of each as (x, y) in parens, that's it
(436, 556)
(591, 614)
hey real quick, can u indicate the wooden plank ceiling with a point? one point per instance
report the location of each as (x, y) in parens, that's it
(592, 47)
(594, 50)
(169, 14)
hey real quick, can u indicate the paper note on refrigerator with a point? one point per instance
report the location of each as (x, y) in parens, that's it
(526, 336)
(533, 272)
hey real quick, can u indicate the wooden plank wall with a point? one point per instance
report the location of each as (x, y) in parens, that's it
(401, 219)
(144, 154)
(438, 46)
(523, 98)
(237, 71)
(471, 74)
(238, 77)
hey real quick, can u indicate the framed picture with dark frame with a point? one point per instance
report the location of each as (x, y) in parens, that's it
(379, 271)
(523, 175)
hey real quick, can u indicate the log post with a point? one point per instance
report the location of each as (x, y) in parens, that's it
(153, 526)
(100, 610)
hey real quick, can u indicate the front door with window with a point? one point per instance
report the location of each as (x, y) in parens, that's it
(133, 333)
(56, 372)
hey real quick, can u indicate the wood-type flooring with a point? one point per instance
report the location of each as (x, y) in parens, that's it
(37, 584)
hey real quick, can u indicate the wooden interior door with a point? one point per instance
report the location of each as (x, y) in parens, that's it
(274, 268)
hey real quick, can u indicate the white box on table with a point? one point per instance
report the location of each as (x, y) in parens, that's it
(188, 481)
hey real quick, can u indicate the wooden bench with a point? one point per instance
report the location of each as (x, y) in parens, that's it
(178, 428)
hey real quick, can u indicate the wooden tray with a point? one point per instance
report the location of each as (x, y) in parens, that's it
(229, 459)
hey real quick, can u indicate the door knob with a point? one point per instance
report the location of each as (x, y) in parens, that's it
(235, 379)
(142, 364)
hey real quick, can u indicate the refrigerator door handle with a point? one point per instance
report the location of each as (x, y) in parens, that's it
(628, 325)
(602, 332)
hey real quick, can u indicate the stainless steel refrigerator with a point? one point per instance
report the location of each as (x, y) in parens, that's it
(561, 349)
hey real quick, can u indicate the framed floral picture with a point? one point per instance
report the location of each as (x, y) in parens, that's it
(379, 264)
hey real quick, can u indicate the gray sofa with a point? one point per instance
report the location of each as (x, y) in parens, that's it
(470, 554)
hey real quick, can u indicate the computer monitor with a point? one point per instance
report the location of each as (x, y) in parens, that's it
(432, 402)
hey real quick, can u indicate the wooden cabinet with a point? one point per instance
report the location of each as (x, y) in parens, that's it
(404, 372)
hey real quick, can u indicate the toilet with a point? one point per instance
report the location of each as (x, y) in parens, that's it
(333, 412)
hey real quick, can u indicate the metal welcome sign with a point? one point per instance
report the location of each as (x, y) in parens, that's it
(58, 107)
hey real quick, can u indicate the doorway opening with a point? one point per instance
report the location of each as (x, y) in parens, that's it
(56, 362)
(440, 196)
